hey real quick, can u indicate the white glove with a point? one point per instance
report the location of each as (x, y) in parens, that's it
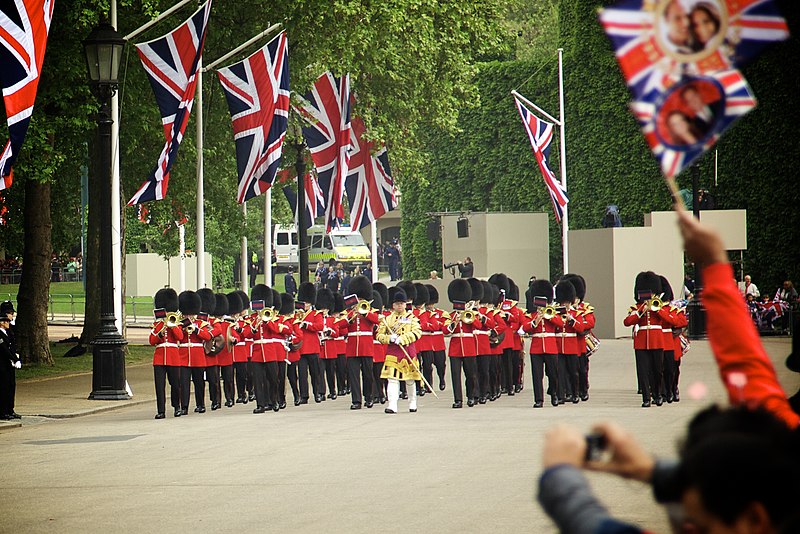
(521, 331)
(18, 364)
(394, 338)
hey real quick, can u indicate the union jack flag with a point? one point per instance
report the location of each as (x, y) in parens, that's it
(370, 187)
(540, 134)
(656, 43)
(726, 94)
(257, 90)
(315, 201)
(327, 111)
(171, 63)
(24, 25)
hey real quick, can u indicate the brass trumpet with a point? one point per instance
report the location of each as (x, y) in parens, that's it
(173, 319)
(548, 312)
(364, 306)
(267, 314)
(469, 316)
(655, 303)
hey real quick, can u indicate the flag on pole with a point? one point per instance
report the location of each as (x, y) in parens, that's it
(24, 26)
(370, 187)
(540, 134)
(171, 63)
(326, 110)
(315, 201)
(257, 90)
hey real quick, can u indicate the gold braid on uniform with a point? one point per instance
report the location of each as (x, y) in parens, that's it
(407, 329)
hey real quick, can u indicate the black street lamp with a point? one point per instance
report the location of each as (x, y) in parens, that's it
(103, 50)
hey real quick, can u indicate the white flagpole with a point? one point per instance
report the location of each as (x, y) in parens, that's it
(374, 231)
(162, 16)
(563, 154)
(182, 258)
(116, 210)
(537, 108)
(201, 222)
(244, 264)
(241, 47)
(268, 237)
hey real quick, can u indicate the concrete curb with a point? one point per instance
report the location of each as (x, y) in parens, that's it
(92, 411)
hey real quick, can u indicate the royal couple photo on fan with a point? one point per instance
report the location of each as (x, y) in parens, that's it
(691, 26)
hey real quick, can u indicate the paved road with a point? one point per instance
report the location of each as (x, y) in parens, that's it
(324, 468)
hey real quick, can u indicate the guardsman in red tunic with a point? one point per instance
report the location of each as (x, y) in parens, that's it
(221, 326)
(437, 338)
(423, 344)
(674, 322)
(519, 316)
(260, 302)
(586, 313)
(166, 334)
(360, 322)
(508, 362)
(293, 339)
(567, 341)
(326, 303)
(274, 332)
(482, 330)
(242, 349)
(646, 318)
(232, 338)
(211, 371)
(542, 324)
(195, 330)
(340, 343)
(311, 325)
(379, 351)
(463, 348)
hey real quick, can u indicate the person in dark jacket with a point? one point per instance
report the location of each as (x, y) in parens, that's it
(9, 362)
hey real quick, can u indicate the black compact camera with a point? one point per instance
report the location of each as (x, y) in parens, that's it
(450, 265)
(595, 445)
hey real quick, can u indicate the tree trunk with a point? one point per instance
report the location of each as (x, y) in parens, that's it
(34, 287)
(91, 260)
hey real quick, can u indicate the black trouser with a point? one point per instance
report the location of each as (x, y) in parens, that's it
(379, 391)
(185, 378)
(508, 364)
(470, 365)
(668, 384)
(495, 376)
(309, 362)
(8, 387)
(199, 382)
(243, 379)
(291, 374)
(228, 382)
(484, 375)
(212, 376)
(519, 366)
(649, 365)
(259, 372)
(567, 376)
(359, 368)
(271, 375)
(440, 361)
(544, 365)
(281, 382)
(426, 358)
(160, 379)
(341, 373)
(677, 377)
(583, 375)
(330, 375)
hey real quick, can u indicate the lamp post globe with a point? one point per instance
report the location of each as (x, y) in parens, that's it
(103, 48)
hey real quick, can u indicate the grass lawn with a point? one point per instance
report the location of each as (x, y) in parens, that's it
(65, 366)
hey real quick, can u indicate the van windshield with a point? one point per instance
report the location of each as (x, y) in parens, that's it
(350, 240)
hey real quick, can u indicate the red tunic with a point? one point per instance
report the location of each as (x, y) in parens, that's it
(512, 324)
(191, 352)
(243, 332)
(225, 329)
(437, 339)
(647, 334)
(500, 327)
(462, 340)
(567, 335)
(737, 347)
(681, 322)
(543, 334)
(311, 326)
(427, 326)
(329, 346)
(166, 342)
(360, 333)
(268, 345)
(484, 328)
(586, 312)
(294, 334)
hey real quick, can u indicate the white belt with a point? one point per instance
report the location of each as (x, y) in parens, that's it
(462, 335)
(191, 345)
(650, 327)
(565, 334)
(349, 334)
(166, 344)
(264, 341)
(340, 338)
(241, 344)
(667, 330)
(430, 333)
(481, 332)
(544, 334)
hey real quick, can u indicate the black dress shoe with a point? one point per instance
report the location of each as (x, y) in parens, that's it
(458, 404)
(355, 406)
(184, 411)
(510, 392)
(676, 397)
(318, 398)
(442, 385)
(368, 404)
(421, 393)
(492, 398)
(240, 400)
(575, 400)
(297, 402)
(5, 417)
(333, 396)
(282, 405)
(669, 399)
(259, 409)
(517, 388)
(561, 401)
(403, 395)
(251, 397)
(178, 413)
(584, 398)
(268, 407)
(15, 415)
(383, 399)
(245, 400)
(538, 404)
(388, 410)
(412, 410)
(303, 401)
(215, 406)
(200, 409)
(160, 416)
(659, 402)
(470, 402)
(275, 407)
(482, 400)
(554, 400)
(228, 403)
(646, 404)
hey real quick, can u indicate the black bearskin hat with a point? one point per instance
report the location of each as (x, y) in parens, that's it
(459, 291)
(513, 290)
(579, 283)
(381, 288)
(565, 292)
(338, 302)
(325, 299)
(308, 293)
(666, 289)
(234, 303)
(166, 298)
(433, 294)
(361, 286)
(377, 300)
(488, 292)
(476, 287)
(422, 294)
(244, 298)
(408, 288)
(501, 281)
(189, 303)
(541, 288)
(276, 298)
(221, 306)
(261, 292)
(207, 300)
(646, 281)
(287, 304)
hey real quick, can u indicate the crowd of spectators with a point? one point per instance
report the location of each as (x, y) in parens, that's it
(770, 314)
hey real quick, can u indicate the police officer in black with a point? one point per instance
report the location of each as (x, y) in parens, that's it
(9, 362)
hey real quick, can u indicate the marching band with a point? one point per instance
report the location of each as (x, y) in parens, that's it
(382, 344)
